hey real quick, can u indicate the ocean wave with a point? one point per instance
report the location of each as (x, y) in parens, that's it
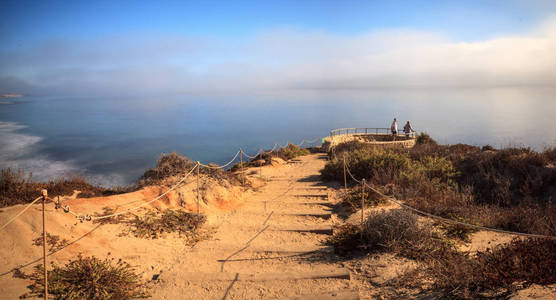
(20, 151)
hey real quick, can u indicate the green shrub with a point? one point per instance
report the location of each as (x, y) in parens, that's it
(508, 176)
(424, 138)
(351, 200)
(292, 151)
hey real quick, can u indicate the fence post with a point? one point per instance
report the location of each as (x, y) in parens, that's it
(362, 205)
(261, 151)
(345, 178)
(44, 195)
(198, 191)
(241, 167)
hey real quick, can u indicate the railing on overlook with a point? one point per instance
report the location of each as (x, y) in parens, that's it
(368, 130)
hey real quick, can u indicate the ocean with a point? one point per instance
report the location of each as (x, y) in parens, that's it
(113, 140)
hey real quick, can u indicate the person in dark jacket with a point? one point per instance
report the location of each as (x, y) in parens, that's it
(407, 129)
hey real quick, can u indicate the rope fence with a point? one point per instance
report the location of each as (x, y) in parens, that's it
(20, 213)
(88, 217)
(420, 212)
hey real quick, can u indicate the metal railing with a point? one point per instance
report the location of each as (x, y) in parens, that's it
(368, 130)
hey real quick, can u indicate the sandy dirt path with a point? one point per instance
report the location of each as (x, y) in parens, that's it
(272, 247)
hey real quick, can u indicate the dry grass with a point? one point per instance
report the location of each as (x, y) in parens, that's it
(351, 200)
(53, 241)
(289, 152)
(170, 167)
(156, 225)
(17, 188)
(89, 278)
(509, 189)
(394, 231)
(456, 275)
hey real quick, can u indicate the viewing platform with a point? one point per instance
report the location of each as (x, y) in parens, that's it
(376, 136)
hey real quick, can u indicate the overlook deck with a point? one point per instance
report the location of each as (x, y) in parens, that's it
(377, 136)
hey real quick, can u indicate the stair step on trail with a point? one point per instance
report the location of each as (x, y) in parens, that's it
(310, 195)
(225, 276)
(323, 215)
(337, 295)
(317, 230)
(269, 203)
(258, 250)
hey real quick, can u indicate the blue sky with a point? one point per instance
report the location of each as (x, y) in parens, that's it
(25, 21)
(46, 45)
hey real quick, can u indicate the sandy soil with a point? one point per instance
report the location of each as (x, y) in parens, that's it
(268, 242)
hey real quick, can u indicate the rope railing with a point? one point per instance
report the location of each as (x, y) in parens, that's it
(250, 156)
(368, 131)
(420, 212)
(308, 142)
(222, 166)
(20, 213)
(287, 144)
(89, 217)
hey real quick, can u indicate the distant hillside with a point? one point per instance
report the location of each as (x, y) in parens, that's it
(10, 96)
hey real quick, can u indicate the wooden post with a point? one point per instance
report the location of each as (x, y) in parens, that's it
(345, 178)
(44, 195)
(198, 191)
(261, 151)
(241, 167)
(362, 205)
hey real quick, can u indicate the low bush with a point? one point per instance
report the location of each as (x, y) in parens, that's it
(89, 278)
(168, 165)
(393, 231)
(550, 154)
(497, 272)
(17, 188)
(423, 139)
(346, 239)
(351, 200)
(291, 151)
(509, 189)
(171, 165)
(155, 225)
(509, 176)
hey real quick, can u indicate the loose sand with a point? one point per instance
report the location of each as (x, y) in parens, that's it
(268, 242)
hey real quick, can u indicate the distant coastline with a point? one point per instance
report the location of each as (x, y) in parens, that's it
(4, 96)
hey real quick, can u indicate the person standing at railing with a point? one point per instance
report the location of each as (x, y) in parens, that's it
(407, 129)
(394, 129)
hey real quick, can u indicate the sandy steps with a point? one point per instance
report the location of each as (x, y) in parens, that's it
(223, 276)
(336, 295)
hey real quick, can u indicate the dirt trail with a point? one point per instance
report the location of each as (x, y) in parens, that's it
(268, 244)
(266, 250)
(259, 250)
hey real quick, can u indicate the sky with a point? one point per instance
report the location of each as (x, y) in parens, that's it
(238, 47)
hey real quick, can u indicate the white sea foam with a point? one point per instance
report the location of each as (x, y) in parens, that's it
(19, 151)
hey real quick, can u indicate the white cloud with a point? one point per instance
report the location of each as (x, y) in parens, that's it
(290, 59)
